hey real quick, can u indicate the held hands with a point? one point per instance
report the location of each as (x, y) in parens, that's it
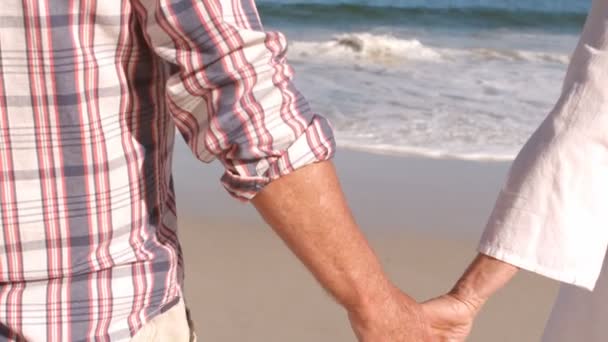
(450, 317)
(398, 318)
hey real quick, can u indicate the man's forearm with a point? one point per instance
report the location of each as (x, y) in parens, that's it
(308, 211)
(482, 279)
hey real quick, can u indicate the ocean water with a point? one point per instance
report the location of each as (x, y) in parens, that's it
(467, 79)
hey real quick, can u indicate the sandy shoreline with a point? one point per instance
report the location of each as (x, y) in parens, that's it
(423, 217)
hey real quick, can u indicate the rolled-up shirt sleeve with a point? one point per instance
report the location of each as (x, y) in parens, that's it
(232, 97)
(551, 217)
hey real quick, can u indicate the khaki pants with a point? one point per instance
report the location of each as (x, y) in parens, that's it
(174, 326)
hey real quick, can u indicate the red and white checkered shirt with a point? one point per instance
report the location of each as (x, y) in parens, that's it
(90, 94)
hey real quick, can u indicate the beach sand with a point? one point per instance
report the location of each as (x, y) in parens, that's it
(422, 216)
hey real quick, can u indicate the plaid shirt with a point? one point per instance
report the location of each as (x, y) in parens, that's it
(91, 92)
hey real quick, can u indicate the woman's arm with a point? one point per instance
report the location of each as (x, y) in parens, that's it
(451, 316)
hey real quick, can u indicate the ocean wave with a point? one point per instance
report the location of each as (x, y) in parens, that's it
(486, 17)
(560, 6)
(389, 50)
(366, 47)
(395, 150)
(509, 55)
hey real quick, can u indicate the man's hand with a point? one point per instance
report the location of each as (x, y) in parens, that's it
(307, 209)
(377, 323)
(450, 318)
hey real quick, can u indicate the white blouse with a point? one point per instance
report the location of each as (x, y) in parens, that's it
(551, 216)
